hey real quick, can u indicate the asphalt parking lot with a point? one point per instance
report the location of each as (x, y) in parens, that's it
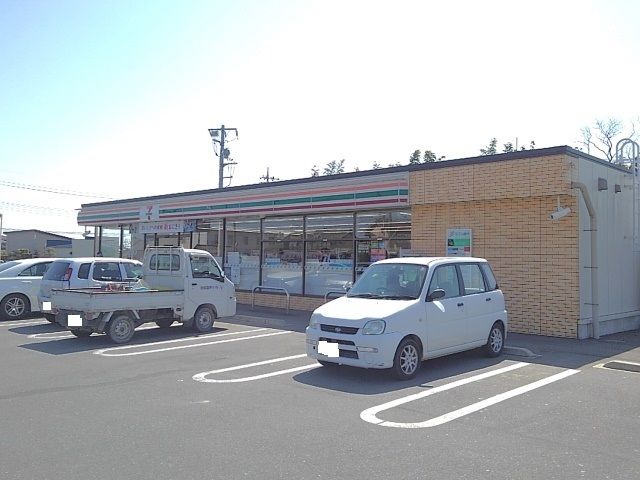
(245, 402)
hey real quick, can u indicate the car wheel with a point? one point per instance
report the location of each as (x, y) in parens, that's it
(203, 319)
(164, 323)
(495, 342)
(14, 306)
(407, 359)
(121, 328)
(50, 317)
(81, 333)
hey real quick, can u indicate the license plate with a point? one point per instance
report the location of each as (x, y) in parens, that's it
(328, 349)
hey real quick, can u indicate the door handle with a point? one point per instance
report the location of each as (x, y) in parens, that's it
(487, 299)
(194, 284)
(460, 304)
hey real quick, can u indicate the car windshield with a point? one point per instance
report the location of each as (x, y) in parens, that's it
(394, 281)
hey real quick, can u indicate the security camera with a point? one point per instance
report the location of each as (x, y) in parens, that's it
(559, 213)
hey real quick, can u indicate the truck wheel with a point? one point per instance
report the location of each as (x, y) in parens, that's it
(164, 323)
(121, 328)
(81, 333)
(407, 359)
(14, 306)
(203, 319)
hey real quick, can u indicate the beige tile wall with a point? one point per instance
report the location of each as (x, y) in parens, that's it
(506, 205)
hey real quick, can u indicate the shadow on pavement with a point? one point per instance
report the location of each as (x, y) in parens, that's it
(63, 346)
(573, 353)
(553, 352)
(363, 381)
(264, 317)
(33, 329)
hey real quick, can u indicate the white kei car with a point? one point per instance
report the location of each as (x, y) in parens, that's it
(19, 286)
(402, 311)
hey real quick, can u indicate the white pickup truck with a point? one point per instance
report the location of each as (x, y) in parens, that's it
(177, 284)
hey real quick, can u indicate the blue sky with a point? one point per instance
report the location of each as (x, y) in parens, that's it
(115, 98)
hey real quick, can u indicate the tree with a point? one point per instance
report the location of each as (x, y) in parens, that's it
(603, 136)
(376, 165)
(415, 157)
(491, 148)
(334, 167)
(508, 147)
(397, 164)
(314, 171)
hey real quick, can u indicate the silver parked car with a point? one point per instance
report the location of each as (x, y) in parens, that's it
(85, 273)
(20, 285)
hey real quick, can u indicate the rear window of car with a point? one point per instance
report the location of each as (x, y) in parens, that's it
(107, 271)
(83, 271)
(36, 270)
(492, 284)
(5, 265)
(56, 271)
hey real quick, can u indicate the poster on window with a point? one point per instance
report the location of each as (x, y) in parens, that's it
(378, 254)
(459, 242)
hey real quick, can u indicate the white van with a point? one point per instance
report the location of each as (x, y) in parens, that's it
(405, 310)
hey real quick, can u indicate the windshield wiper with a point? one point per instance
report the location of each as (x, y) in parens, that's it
(398, 297)
(363, 295)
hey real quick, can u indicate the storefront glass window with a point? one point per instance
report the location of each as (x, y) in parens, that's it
(381, 235)
(329, 262)
(110, 244)
(282, 253)
(242, 252)
(208, 237)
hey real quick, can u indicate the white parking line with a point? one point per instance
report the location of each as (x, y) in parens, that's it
(201, 377)
(21, 323)
(65, 334)
(104, 351)
(370, 414)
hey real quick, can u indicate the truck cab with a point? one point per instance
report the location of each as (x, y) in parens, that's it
(196, 272)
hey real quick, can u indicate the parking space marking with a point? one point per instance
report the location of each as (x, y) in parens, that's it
(370, 414)
(201, 377)
(105, 351)
(65, 334)
(24, 323)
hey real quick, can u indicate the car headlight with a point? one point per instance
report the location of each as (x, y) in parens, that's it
(313, 323)
(374, 327)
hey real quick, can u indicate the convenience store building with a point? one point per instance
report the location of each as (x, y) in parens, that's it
(313, 236)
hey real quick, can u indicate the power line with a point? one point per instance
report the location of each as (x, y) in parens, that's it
(9, 229)
(37, 209)
(39, 188)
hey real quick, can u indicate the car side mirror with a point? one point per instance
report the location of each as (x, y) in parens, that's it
(347, 286)
(436, 294)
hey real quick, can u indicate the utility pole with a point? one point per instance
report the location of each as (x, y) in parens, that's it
(219, 135)
(267, 178)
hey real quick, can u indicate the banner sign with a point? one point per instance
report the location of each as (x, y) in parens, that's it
(178, 226)
(459, 242)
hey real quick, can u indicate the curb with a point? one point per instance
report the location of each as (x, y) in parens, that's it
(622, 365)
(519, 352)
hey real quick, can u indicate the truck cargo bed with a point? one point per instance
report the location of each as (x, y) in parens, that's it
(93, 300)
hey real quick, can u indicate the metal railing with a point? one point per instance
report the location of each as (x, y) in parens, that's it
(264, 287)
(334, 292)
